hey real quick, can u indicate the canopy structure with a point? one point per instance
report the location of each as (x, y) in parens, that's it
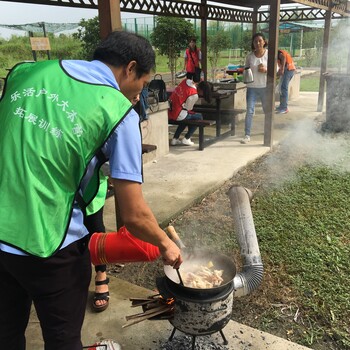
(287, 27)
(224, 10)
(243, 11)
(40, 26)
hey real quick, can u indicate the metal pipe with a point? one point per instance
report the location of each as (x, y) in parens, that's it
(252, 272)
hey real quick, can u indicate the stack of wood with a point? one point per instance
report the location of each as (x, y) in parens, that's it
(154, 307)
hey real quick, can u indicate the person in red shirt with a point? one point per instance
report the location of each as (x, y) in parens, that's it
(181, 101)
(286, 70)
(193, 57)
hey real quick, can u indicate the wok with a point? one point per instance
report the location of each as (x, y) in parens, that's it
(198, 257)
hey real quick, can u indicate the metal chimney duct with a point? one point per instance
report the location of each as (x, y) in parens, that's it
(252, 272)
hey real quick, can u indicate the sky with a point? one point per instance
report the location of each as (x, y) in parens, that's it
(22, 13)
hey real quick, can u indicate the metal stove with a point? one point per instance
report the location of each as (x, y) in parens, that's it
(198, 314)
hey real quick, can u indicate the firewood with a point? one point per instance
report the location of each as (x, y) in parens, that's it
(131, 321)
(148, 312)
(141, 299)
(151, 297)
(136, 303)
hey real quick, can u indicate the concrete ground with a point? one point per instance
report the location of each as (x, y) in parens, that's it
(172, 184)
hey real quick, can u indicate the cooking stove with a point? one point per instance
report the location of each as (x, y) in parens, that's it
(198, 313)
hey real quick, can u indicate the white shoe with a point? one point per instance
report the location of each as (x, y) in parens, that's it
(245, 139)
(187, 142)
(175, 142)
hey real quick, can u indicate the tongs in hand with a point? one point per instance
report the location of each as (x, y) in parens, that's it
(176, 239)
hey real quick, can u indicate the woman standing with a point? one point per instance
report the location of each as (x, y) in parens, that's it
(257, 61)
(286, 70)
(193, 57)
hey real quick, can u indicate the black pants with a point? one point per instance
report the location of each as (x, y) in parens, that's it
(94, 223)
(58, 287)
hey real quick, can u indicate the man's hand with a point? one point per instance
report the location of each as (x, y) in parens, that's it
(171, 254)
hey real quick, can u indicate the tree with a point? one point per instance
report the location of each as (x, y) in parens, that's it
(89, 34)
(236, 31)
(169, 37)
(246, 41)
(217, 42)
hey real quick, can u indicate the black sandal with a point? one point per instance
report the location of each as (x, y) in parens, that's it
(101, 296)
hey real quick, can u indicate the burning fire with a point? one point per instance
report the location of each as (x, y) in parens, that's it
(169, 301)
(154, 307)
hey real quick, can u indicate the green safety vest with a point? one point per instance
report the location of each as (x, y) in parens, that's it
(99, 201)
(51, 127)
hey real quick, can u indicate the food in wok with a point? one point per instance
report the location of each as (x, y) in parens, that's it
(202, 277)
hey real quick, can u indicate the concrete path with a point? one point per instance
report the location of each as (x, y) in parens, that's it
(172, 184)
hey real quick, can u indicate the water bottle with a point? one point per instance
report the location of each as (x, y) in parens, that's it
(247, 75)
(202, 76)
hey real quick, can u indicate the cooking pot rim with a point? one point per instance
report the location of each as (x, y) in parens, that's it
(206, 254)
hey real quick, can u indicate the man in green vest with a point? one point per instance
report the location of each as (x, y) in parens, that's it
(59, 122)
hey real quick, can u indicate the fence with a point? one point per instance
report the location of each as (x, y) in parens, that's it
(141, 25)
(145, 25)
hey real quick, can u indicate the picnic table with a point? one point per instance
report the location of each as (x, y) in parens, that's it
(214, 114)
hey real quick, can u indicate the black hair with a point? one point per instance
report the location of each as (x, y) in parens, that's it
(256, 35)
(206, 88)
(189, 75)
(121, 47)
(195, 44)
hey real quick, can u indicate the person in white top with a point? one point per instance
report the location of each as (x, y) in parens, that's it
(257, 61)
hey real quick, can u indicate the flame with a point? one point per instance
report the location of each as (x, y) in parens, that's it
(170, 301)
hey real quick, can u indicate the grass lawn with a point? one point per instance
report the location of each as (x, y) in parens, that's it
(307, 243)
(301, 214)
(310, 82)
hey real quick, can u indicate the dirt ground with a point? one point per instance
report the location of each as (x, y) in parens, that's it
(209, 224)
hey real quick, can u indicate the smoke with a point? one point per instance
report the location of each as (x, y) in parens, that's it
(306, 145)
(339, 47)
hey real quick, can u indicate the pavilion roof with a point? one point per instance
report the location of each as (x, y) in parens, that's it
(216, 10)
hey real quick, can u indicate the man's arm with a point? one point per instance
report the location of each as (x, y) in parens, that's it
(140, 221)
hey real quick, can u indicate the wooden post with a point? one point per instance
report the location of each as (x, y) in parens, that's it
(204, 47)
(255, 20)
(31, 35)
(326, 34)
(109, 16)
(271, 71)
(47, 51)
(110, 20)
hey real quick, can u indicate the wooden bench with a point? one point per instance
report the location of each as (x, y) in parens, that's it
(148, 148)
(201, 124)
(211, 113)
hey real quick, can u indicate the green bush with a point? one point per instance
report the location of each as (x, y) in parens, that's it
(17, 49)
